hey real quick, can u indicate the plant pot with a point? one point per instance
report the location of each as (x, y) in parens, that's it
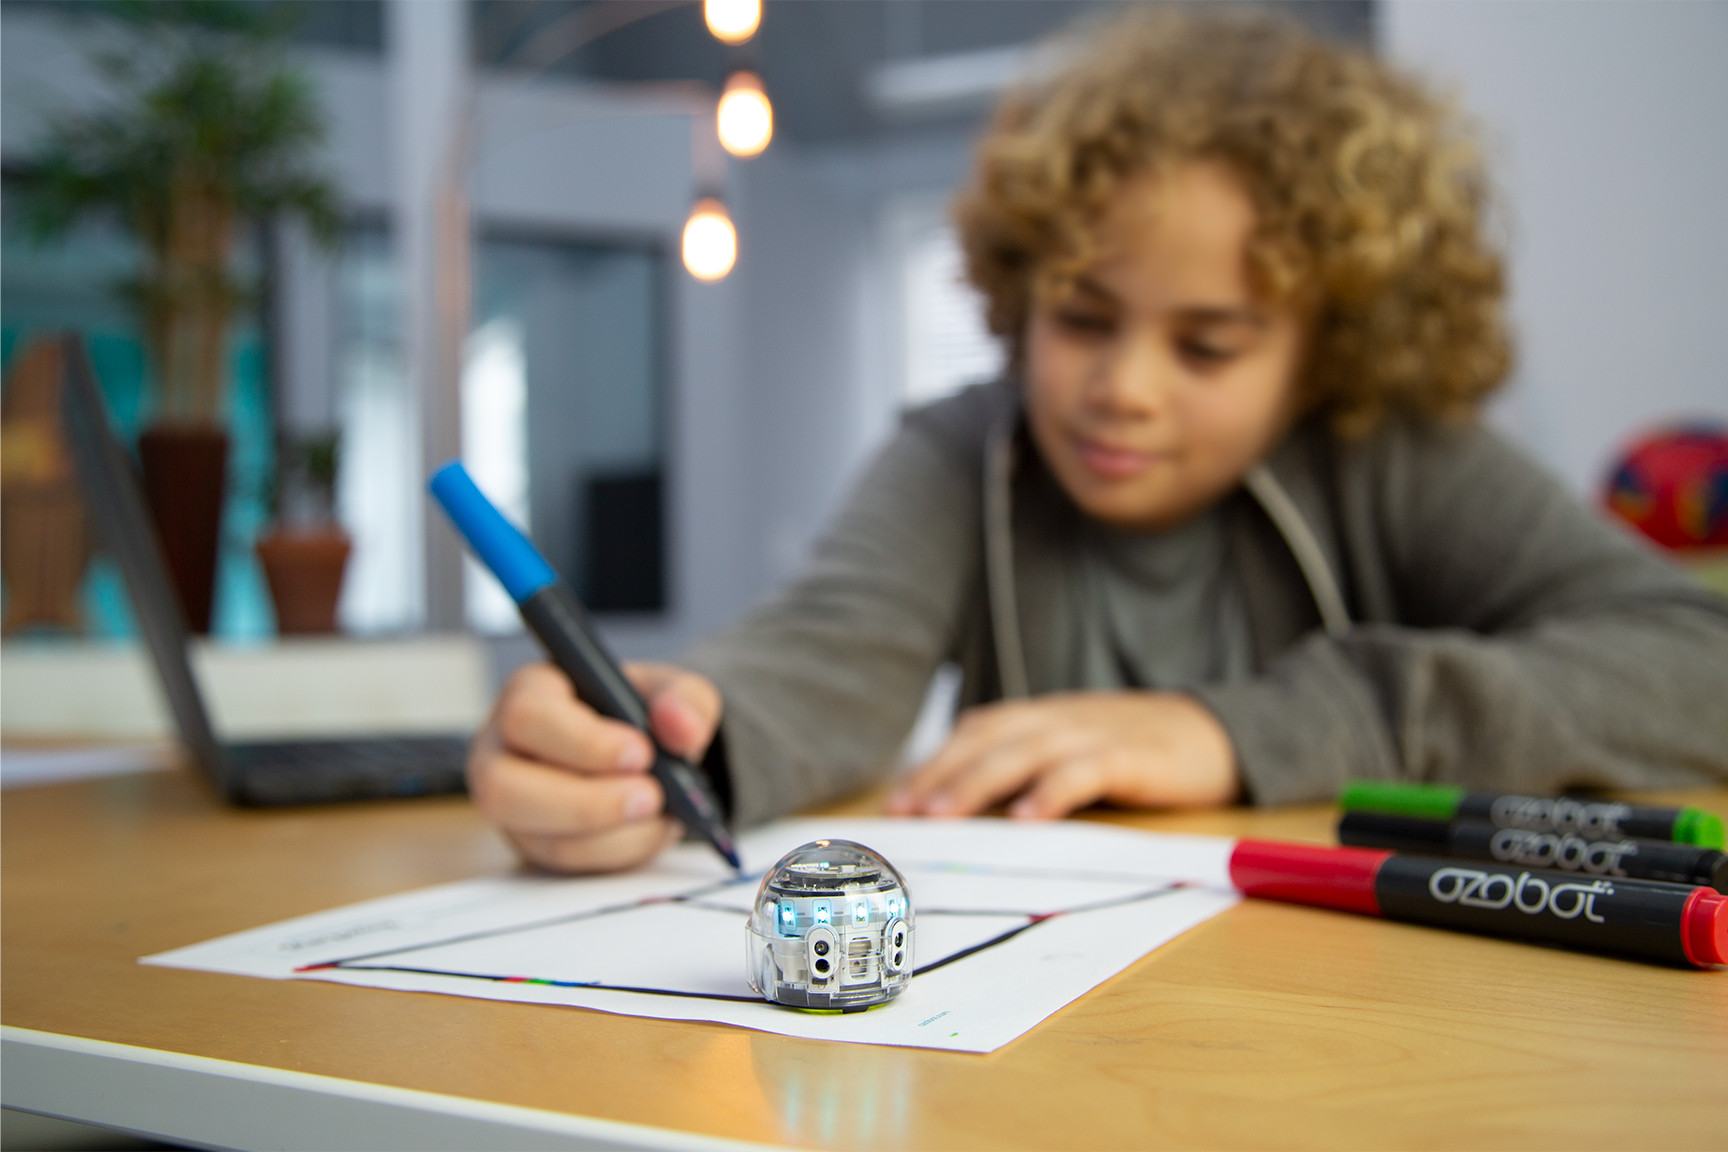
(44, 546)
(304, 568)
(185, 478)
(44, 534)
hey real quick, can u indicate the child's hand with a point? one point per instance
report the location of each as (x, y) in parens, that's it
(569, 788)
(1057, 753)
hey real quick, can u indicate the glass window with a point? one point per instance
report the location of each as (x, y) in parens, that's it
(562, 406)
(944, 344)
(378, 493)
(562, 423)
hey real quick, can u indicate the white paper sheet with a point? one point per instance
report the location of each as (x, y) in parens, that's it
(1013, 922)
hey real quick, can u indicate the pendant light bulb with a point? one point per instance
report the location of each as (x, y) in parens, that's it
(732, 21)
(744, 119)
(710, 241)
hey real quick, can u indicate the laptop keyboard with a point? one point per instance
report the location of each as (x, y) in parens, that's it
(280, 772)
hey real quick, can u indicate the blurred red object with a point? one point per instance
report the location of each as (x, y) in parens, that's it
(1672, 486)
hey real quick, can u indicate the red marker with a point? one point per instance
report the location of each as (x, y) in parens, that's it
(1649, 919)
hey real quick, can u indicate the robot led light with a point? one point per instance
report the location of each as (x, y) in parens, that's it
(831, 928)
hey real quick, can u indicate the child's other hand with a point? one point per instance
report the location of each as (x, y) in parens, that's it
(570, 788)
(1054, 754)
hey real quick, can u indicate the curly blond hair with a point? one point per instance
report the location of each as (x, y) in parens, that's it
(1369, 193)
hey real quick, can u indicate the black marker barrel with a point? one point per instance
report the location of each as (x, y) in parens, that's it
(1479, 840)
(554, 615)
(1643, 918)
(1591, 819)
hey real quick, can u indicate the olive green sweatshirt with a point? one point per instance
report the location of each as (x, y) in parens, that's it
(1423, 604)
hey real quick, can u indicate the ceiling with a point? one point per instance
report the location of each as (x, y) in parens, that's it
(817, 58)
(822, 60)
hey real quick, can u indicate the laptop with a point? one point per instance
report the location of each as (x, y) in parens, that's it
(255, 772)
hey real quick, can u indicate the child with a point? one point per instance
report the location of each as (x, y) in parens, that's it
(1227, 530)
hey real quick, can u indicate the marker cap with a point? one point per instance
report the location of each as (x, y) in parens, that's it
(1696, 826)
(1426, 801)
(1704, 928)
(499, 543)
(1308, 874)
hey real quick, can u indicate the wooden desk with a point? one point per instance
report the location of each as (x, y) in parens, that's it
(1271, 1026)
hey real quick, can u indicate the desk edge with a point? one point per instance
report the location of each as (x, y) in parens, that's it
(226, 1104)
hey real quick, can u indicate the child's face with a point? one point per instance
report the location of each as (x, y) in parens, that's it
(1160, 378)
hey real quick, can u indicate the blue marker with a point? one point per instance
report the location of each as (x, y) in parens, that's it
(551, 610)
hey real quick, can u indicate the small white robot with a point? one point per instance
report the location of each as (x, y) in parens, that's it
(831, 929)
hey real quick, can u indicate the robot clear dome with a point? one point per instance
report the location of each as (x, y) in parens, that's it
(831, 928)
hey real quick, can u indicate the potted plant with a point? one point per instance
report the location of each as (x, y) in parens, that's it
(207, 131)
(306, 553)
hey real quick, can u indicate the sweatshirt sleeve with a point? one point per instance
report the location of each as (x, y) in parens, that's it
(1536, 647)
(822, 684)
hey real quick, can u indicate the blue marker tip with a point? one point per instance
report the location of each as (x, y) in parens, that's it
(499, 543)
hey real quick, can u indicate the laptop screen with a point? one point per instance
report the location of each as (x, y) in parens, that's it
(118, 507)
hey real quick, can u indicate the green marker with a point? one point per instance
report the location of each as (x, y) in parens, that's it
(1588, 819)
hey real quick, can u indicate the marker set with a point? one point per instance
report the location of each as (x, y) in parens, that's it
(1589, 837)
(1561, 871)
